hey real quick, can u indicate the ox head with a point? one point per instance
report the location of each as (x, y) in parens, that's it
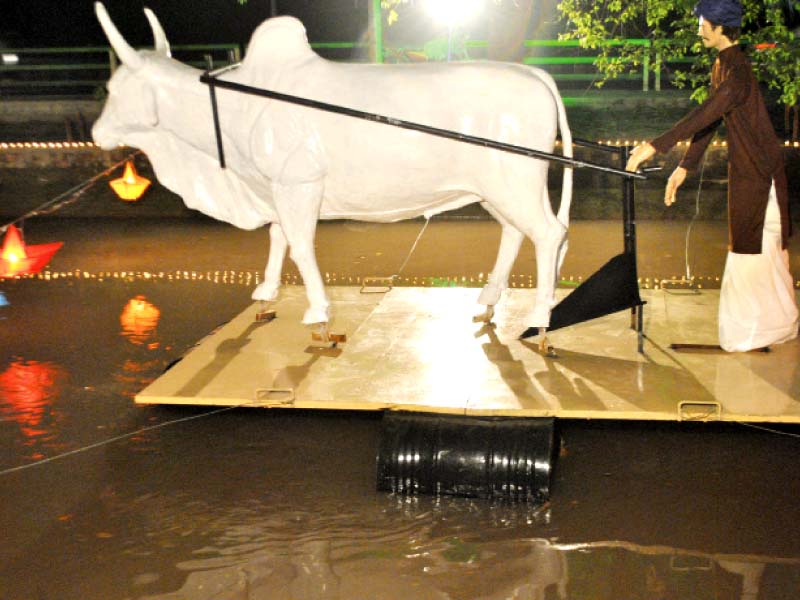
(131, 105)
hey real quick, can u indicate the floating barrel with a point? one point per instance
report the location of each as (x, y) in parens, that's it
(484, 457)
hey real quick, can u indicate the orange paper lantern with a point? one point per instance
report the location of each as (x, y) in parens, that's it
(131, 185)
(18, 259)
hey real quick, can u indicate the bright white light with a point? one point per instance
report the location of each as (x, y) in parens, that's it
(453, 12)
(10, 59)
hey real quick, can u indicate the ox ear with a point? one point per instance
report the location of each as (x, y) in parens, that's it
(126, 53)
(162, 44)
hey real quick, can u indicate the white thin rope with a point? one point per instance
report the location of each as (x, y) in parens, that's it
(118, 438)
(768, 429)
(413, 247)
(694, 218)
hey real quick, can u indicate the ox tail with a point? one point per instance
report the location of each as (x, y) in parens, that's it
(566, 150)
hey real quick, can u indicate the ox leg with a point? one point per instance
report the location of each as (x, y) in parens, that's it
(298, 210)
(510, 242)
(267, 291)
(549, 252)
(547, 257)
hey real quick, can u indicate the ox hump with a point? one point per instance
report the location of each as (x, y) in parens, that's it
(279, 38)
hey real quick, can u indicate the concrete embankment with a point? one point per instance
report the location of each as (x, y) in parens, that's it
(37, 165)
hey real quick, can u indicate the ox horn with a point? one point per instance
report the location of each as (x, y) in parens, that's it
(162, 44)
(126, 53)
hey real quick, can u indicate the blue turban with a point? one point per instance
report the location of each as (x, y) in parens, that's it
(720, 12)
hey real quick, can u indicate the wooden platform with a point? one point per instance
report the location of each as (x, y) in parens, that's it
(418, 349)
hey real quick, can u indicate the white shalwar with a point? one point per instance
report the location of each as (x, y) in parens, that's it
(757, 305)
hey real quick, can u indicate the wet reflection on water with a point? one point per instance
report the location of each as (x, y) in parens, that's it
(139, 320)
(282, 504)
(29, 391)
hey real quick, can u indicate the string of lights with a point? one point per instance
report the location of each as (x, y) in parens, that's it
(252, 277)
(75, 145)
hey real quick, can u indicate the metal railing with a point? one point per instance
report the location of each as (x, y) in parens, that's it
(580, 64)
(84, 71)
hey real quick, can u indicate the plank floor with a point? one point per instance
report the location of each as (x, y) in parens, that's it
(418, 349)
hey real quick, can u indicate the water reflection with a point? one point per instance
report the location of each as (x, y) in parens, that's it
(27, 391)
(139, 320)
(283, 505)
(424, 566)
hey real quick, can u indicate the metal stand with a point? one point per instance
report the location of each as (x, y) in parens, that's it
(615, 286)
(629, 228)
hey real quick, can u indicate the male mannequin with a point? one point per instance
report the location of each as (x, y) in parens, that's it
(757, 301)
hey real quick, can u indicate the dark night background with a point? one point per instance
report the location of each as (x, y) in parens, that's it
(49, 23)
(41, 23)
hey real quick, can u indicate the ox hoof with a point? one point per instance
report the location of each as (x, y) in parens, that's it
(265, 292)
(485, 317)
(545, 349)
(316, 316)
(490, 295)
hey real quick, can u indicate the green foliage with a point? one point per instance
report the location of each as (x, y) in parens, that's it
(389, 7)
(671, 28)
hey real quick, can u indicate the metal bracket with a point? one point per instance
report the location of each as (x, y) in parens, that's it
(376, 285)
(265, 316)
(699, 410)
(274, 397)
(688, 563)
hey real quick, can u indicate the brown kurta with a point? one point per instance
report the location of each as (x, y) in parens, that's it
(755, 156)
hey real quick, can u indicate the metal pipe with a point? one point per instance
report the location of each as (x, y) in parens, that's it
(217, 129)
(596, 145)
(377, 29)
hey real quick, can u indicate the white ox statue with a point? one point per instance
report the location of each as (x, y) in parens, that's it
(289, 165)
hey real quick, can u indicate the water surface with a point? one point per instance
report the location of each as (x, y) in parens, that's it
(169, 503)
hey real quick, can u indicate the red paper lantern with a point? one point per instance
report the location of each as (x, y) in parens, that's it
(131, 185)
(18, 259)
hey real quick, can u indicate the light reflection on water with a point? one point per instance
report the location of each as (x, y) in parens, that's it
(139, 320)
(257, 504)
(29, 390)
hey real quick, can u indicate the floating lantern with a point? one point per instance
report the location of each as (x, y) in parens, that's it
(131, 185)
(18, 259)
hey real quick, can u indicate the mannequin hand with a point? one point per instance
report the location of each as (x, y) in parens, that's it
(642, 153)
(673, 183)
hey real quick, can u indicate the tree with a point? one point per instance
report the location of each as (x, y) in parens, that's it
(671, 27)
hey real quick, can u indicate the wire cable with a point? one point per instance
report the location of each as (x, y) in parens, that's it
(768, 429)
(688, 268)
(413, 247)
(118, 438)
(68, 197)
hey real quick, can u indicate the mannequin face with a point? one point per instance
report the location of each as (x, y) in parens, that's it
(712, 36)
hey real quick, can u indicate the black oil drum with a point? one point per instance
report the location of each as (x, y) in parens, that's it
(483, 457)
